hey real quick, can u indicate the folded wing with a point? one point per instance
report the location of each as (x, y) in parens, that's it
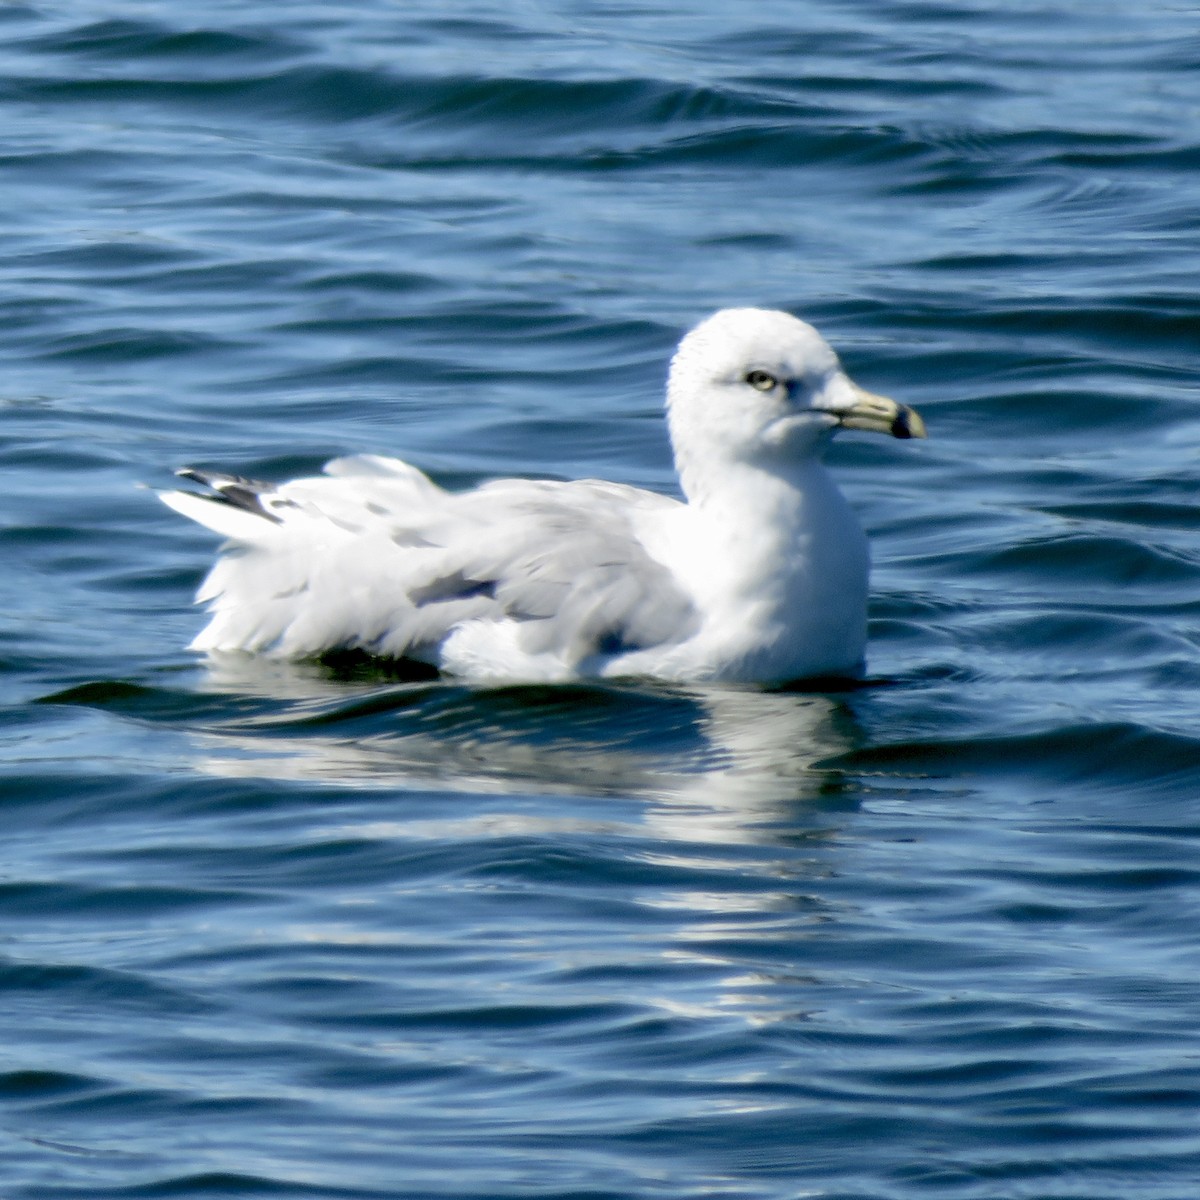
(374, 556)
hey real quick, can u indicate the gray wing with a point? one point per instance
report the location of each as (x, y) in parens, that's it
(374, 556)
(573, 570)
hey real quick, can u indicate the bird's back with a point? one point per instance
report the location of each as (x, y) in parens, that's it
(550, 579)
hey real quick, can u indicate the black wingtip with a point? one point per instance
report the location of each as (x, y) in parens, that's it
(235, 490)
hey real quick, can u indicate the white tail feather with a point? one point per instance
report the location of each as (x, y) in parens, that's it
(235, 523)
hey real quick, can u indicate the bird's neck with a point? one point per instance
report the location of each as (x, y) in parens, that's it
(733, 494)
(765, 547)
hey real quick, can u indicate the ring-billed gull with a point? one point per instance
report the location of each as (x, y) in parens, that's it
(759, 575)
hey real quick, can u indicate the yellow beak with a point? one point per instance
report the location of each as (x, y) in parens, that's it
(881, 414)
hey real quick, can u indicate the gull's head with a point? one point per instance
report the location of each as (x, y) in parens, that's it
(762, 387)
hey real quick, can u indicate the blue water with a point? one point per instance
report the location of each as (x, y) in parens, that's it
(293, 932)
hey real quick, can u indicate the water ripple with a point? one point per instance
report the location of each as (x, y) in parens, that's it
(323, 931)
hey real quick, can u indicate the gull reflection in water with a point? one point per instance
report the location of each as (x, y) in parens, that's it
(707, 763)
(722, 807)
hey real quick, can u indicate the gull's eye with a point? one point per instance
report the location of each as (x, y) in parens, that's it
(764, 381)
